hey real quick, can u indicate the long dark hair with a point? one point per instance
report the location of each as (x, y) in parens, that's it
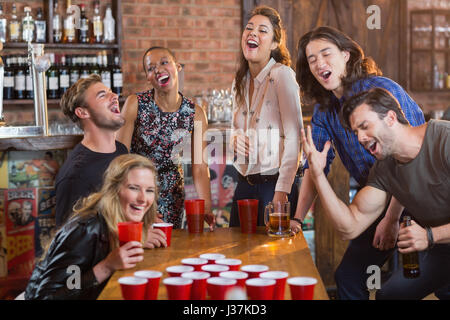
(279, 54)
(358, 66)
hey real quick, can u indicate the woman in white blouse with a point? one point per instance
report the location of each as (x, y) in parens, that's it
(266, 116)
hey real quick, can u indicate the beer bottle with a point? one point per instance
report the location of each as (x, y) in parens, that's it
(410, 260)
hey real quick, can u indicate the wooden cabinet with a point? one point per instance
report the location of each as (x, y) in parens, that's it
(430, 50)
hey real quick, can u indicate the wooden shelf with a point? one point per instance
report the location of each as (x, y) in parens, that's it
(40, 143)
(71, 46)
(50, 102)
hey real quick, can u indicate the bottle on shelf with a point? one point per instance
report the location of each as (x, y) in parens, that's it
(410, 260)
(3, 24)
(29, 92)
(52, 79)
(57, 29)
(19, 79)
(97, 25)
(94, 67)
(64, 75)
(84, 33)
(41, 27)
(84, 67)
(104, 70)
(109, 26)
(70, 32)
(8, 79)
(117, 79)
(435, 77)
(14, 25)
(74, 71)
(27, 26)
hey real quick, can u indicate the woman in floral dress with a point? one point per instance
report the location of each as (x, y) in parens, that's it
(160, 125)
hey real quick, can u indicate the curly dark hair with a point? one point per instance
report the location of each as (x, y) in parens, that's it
(358, 66)
(279, 54)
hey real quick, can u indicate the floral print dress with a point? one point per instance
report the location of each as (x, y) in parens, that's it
(165, 138)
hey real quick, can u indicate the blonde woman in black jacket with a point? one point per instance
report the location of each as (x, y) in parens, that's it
(88, 243)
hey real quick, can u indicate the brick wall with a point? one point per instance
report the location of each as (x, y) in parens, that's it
(204, 34)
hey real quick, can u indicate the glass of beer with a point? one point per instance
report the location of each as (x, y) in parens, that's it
(277, 219)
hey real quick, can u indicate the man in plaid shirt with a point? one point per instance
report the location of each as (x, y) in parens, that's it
(330, 68)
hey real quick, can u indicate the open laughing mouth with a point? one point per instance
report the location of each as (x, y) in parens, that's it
(115, 108)
(325, 74)
(163, 79)
(372, 147)
(252, 44)
(136, 207)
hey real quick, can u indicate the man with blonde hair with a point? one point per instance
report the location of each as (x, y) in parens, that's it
(95, 109)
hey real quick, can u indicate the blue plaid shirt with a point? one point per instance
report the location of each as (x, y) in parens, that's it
(326, 126)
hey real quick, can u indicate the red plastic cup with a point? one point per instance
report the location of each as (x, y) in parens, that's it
(239, 276)
(280, 277)
(260, 289)
(302, 288)
(133, 288)
(153, 277)
(176, 271)
(254, 270)
(198, 290)
(234, 264)
(212, 257)
(195, 215)
(215, 269)
(197, 263)
(129, 231)
(218, 287)
(178, 288)
(248, 215)
(166, 228)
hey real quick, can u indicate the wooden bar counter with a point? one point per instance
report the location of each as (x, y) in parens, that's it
(291, 255)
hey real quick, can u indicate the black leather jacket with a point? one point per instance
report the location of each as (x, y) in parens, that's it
(80, 243)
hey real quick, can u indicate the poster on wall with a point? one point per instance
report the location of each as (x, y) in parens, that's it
(32, 169)
(45, 227)
(3, 249)
(223, 183)
(20, 211)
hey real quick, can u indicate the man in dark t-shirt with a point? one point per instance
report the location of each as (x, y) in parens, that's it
(95, 109)
(413, 165)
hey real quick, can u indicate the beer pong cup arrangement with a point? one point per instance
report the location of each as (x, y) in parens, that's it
(153, 278)
(166, 228)
(248, 215)
(195, 279)
(218, 287)
(215, 269)
(133, 288)
(280, 278)
(178, 288)
(212, 257)
(129, 231)
(195, 214)
(198, 289)
(254, 270)
(233, 264)
(239, 276)
(260, 289)
(302, 288)
(197, 263)
(176, 271)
